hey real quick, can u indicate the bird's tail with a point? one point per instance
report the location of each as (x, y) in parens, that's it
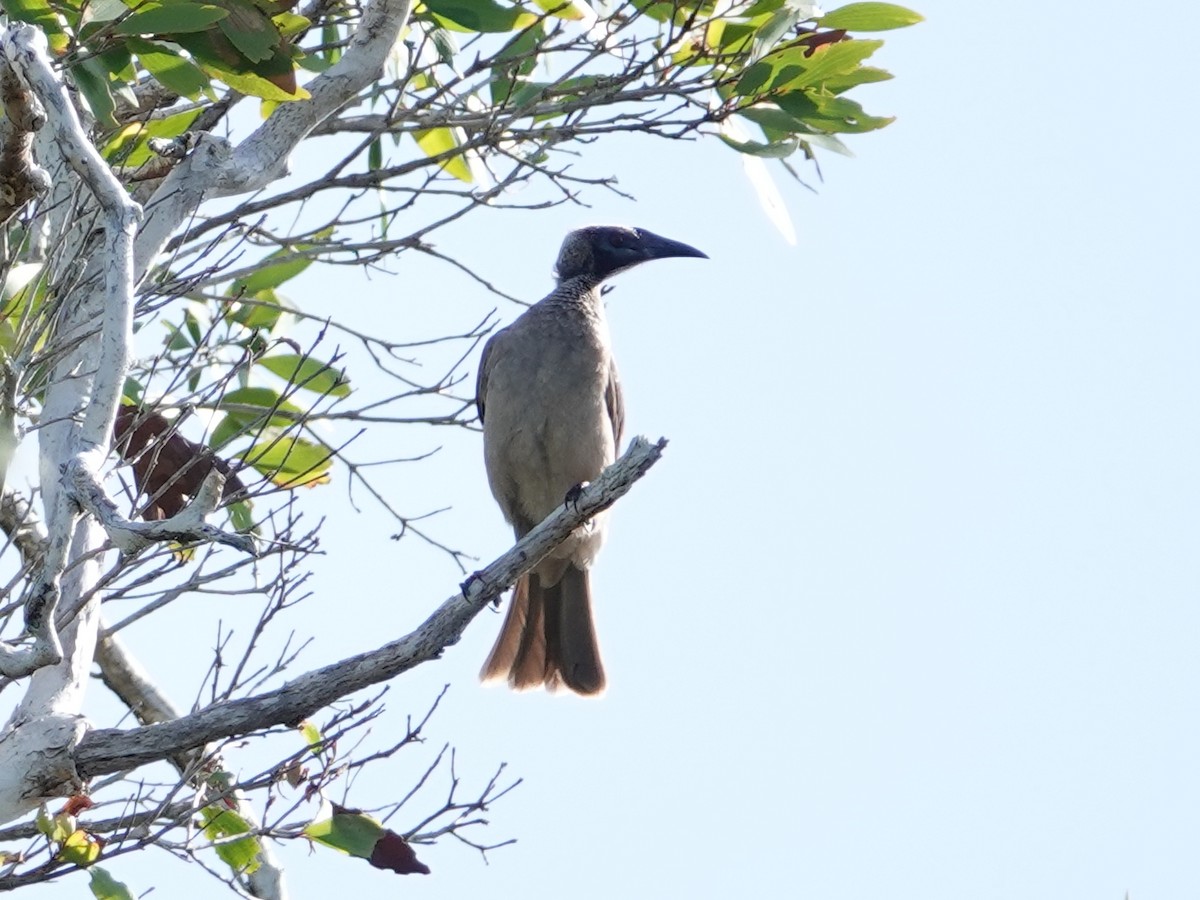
(548, 638)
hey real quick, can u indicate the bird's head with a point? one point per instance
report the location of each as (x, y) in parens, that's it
(600, 251)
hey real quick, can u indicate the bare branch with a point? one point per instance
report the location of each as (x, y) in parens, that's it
(112, 750)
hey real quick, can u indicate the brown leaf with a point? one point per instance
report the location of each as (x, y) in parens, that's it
(167, 467)
(76, 804)
(395, 853)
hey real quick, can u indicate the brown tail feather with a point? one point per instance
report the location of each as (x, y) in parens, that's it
(516, 641)
(548, 637)
(572, 653)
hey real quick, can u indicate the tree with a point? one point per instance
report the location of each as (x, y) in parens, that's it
(146, 344)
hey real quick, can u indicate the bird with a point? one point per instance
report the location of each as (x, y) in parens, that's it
(550, 403)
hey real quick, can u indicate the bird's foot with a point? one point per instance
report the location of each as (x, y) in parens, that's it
(573, 495)
(466, 586)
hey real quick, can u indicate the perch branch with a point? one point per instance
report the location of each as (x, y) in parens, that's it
(112, 750)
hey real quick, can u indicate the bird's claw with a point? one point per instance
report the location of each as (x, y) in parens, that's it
(466, 585)
(574, 494)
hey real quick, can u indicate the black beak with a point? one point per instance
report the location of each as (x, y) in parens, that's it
(655, 246)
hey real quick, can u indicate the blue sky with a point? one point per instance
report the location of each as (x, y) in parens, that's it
(910, 607)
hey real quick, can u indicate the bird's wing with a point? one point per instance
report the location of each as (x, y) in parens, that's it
(615, 401)
(482, 377)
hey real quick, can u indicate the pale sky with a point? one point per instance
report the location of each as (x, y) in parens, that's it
(910, 607)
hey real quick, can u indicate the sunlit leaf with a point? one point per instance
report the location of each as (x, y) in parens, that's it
(262, 310)
(308, 373)
(311, 735)
(131, 145)
(243, 855)
(574, 10)
(870, 17)
(353, 833)
(39, 13)
(291, 24)
(800, 66)
(105, 887)
(862, 75)
(21, 285)
(256, 86)
(289, 461)
(256, 402)
(360, 835)
(435, 141)
(80, 848)
(44, 822)
(480, 15)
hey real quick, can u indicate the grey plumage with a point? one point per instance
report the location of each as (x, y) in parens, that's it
(552, 412)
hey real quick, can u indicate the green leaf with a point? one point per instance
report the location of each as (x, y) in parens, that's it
(250, 410)
(16, 291)
(290, 462)
(774, 150)
(870, 17)
(243, 855)
(173, 18)
(131, 145)
(291, 24)
(133, 391)
(575, 10)
(436, 141)
(279, 267)
(39, 13)
(250, 30)
(170, 69)
(263, 310)
(257, 402)
(515, 60)
(312, 736)
(777, 25)
(480, 15)
(105, 887)
(862, 75)
(308, 373)
(44, 822)
(118, 64)
(829, 113)
(254, 85)
(80, 848)
(92, 80)
(352, 833)
(241, 516)
(800, 66)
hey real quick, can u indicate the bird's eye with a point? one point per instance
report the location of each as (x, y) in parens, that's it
(617, 240)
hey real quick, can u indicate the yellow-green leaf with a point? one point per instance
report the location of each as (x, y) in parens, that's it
(436, 141)
(308, 373)
(242, 855)
(870, 17)
(80, 848)
(105, 887)
(290, 462)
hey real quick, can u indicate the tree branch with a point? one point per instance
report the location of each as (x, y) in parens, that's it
(111, 750)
